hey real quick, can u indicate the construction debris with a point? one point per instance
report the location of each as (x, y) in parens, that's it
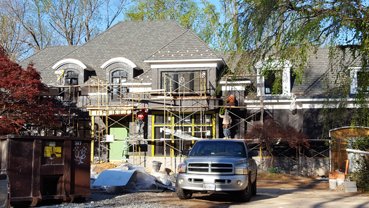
(127, 178)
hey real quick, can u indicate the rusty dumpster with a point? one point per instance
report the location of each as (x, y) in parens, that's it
(4, 196)
(45, 168)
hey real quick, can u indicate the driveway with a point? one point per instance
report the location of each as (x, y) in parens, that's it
(304, 198)
(314, 194)
(271, 194)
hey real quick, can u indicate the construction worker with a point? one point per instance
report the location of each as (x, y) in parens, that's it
(140, 121)
(226, 124)
(231, 100)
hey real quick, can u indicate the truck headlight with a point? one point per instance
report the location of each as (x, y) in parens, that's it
(241, 171)
(182, 168)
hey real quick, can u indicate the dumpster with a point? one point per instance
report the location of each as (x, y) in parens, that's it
(4, 197)
(45, 168)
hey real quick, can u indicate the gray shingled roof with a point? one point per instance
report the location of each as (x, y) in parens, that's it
(46, 58)
(186, 46)
(321, 74)
(314, 78)
(50, 54)
(132, 40)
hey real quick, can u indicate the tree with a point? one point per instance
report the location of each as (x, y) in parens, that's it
(230, 37)
(113, 9)
(270, 133)
(79, 21)
(21, 100)
(288, 29)
(72, 19)
(31, 25)
(361, 174)
(25, 20)
(202, 17)
(185, 12)
(10, 36)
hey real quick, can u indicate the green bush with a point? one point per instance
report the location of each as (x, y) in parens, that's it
(361, 175)
(274, 170)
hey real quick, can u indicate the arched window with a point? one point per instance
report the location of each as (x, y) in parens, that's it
(71, 80)
(71, 77)
(117, 78)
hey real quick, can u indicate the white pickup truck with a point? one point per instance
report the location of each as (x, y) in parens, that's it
(218, 165)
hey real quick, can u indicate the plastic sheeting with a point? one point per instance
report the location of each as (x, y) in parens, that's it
(129, 179)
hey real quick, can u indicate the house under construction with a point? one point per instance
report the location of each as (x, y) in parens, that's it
(149, 90)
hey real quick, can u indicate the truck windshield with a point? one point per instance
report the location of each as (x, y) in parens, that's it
(218, 148)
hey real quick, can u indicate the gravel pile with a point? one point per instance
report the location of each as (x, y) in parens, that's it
(128, 200)
(155, 197)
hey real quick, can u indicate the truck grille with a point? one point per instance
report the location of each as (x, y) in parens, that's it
(215, 168)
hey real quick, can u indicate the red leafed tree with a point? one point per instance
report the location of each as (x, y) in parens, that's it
(21, 100)
(270, 133)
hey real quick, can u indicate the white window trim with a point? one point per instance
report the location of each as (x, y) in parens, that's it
(184, 60)
(286, 78)
(300, 103)
(182, 65)
(118, 60)
(68, 61)
(353, 77)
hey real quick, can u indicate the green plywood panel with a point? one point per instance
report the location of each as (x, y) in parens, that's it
(118, 148)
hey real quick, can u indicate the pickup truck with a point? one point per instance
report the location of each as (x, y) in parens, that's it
(218, 165)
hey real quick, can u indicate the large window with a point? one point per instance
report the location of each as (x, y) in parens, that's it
(71, 92)
(273, 82)
(184, 82)
(117, 78)
(274, 79)
(173, 132)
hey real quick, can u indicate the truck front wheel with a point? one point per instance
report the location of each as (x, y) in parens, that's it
(183, 194)
(254, 188)
(245, 195)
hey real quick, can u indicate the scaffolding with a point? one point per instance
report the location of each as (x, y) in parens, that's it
(179, 99)
(300, 157)
(111, 106)
(178, 102)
